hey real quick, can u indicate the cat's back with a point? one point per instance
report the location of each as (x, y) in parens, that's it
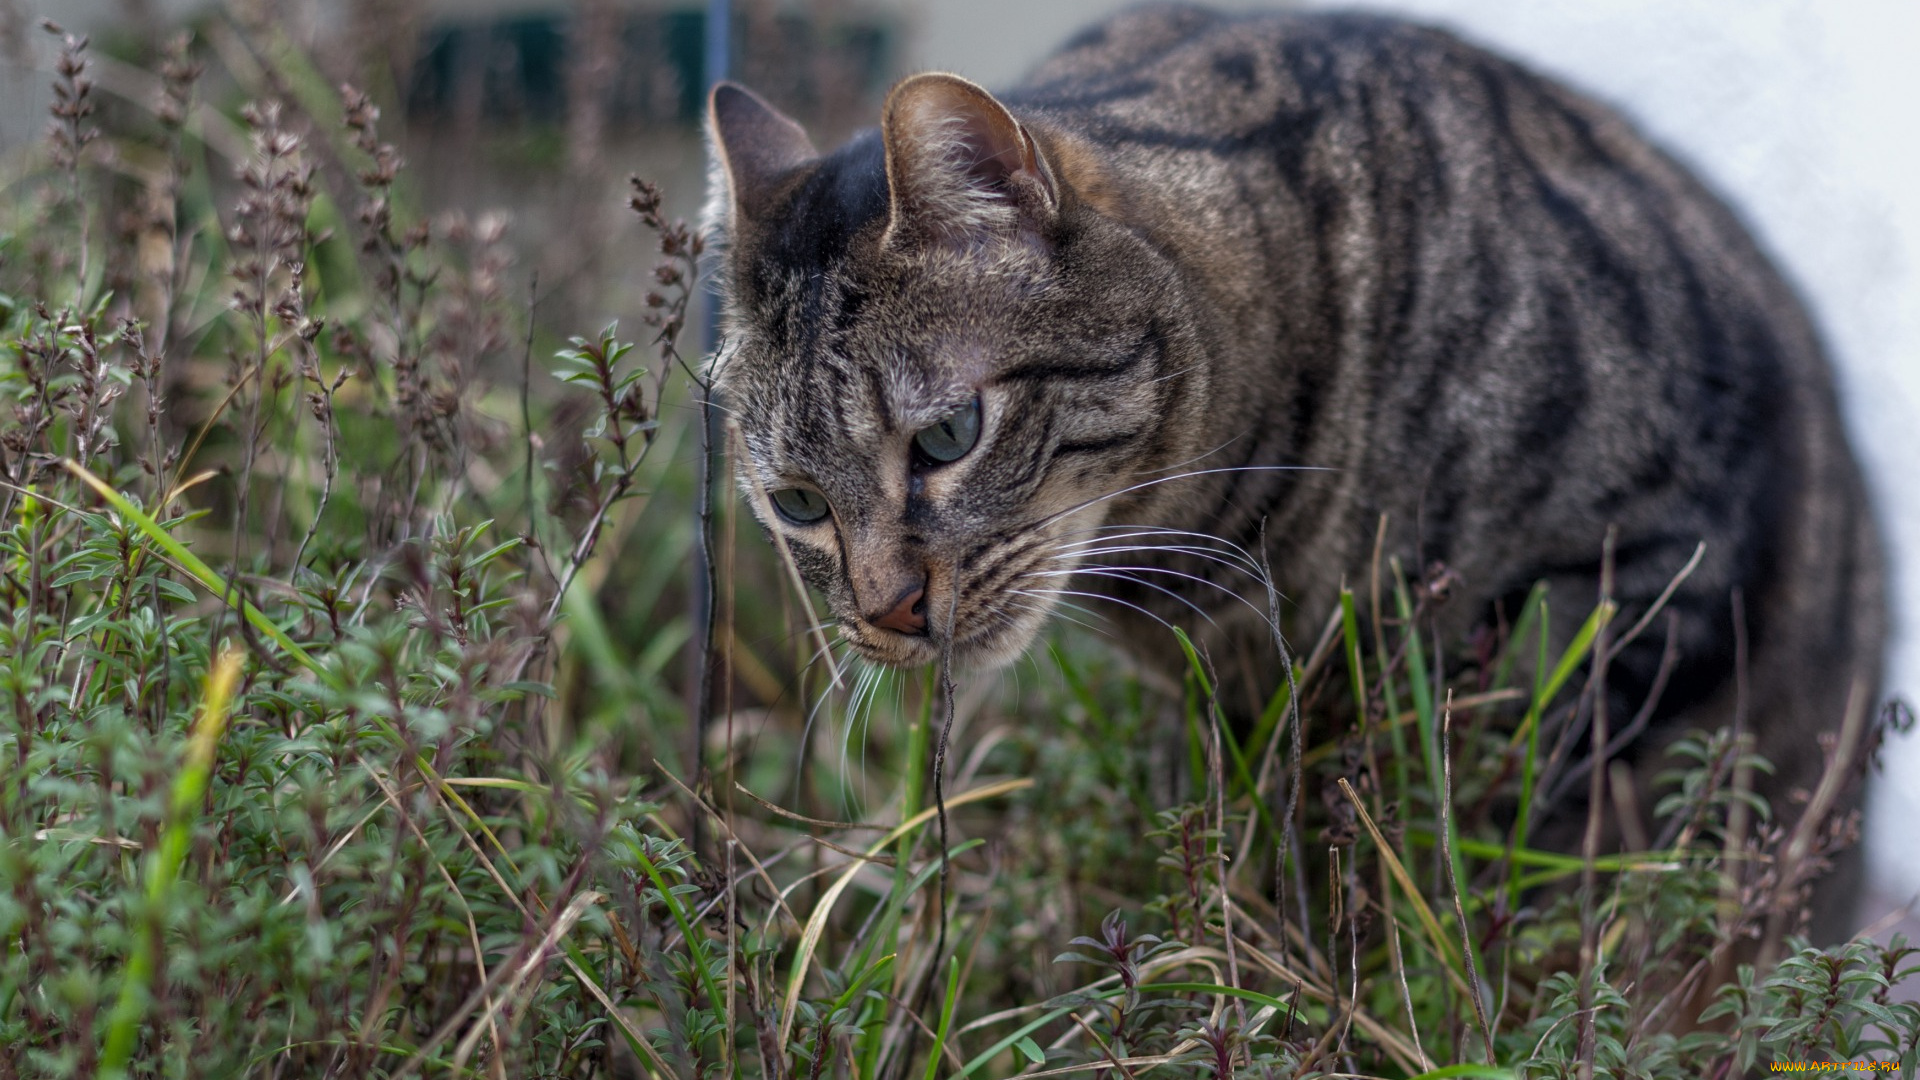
(1315, 92)
(1407, 212)
(1243, 80)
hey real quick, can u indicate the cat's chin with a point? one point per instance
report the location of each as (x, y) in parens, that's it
(892, 650)
(982, 650)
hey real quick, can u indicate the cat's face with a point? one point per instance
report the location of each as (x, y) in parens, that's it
(937, 408)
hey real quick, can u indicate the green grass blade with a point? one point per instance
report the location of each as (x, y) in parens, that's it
(1234, 753)
(1356, 669)
(696, 947)
(1419, 685)
(201, 572)
(1530, 614)
(183, 805)
(1545, 690)
(946, 1018)
(985, 1057)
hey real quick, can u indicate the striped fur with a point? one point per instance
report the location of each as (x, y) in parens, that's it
(1469, 298)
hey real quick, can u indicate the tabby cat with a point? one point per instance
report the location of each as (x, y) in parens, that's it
(1210, 284)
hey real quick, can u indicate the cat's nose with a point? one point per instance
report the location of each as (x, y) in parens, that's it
(908, 614)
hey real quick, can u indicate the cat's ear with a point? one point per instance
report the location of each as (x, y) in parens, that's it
(960, 167)
(757, 146)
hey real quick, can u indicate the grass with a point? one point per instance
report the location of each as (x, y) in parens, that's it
(341, 611)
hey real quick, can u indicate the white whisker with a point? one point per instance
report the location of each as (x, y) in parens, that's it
(818, 653)
(859, 704)
(1120, 574)
(1117, 600)
(1131, 488)
(1044, 609)
(1241, 555)
(806, 730)
(1201, 456)
(1123, 573)
(1177, 549)
(1122, 531)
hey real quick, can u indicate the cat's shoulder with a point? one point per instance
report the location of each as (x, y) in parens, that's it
(1181, 49)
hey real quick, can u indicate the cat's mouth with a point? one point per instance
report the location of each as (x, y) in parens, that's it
(988, 629)
(984, 647)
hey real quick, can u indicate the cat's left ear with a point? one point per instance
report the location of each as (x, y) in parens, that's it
(960, 168)
(759, 147)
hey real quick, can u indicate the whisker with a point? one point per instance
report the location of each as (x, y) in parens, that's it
(883, 678)
(1130, 529)
(1201, 456)
(1120, 574)
(1257, 572)
(1117, 600)
(819, 652)
(1047, 609)
(806, 730)
(1188, 475)
(1099, 568)
(1178, 549)
(1123, 573)
(1142, 531)
(800, 677)
(858, 704)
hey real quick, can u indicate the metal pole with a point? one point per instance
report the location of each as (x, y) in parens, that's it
(718, 54)
(719, 41)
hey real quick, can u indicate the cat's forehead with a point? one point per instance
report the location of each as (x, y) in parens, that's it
(905, 334)
(836, 397)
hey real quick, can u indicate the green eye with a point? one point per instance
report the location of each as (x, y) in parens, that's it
(801, 506)
(953, 436)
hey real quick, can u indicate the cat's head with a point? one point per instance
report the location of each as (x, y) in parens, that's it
(945, 352)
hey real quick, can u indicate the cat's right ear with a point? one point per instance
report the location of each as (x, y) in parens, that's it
(960, 167)
(758, 147)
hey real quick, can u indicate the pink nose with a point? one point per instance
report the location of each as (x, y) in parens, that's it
(908, 615)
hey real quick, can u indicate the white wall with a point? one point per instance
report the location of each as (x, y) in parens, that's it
(1803, 112)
